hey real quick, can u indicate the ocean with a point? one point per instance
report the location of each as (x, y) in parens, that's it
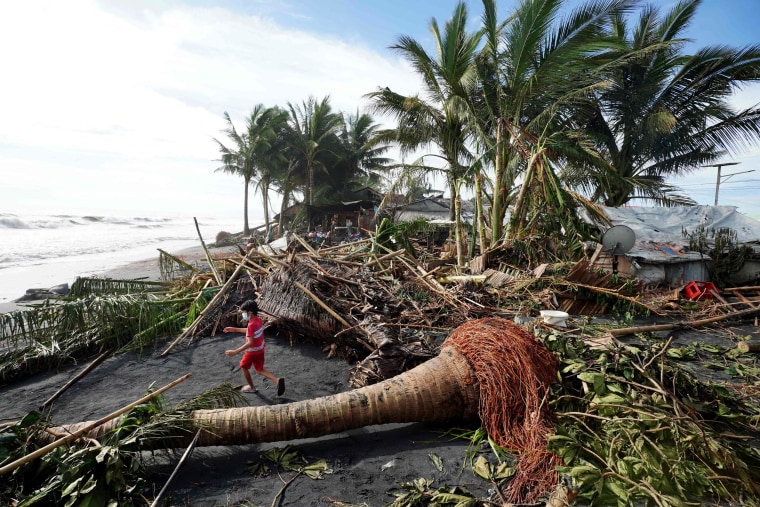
(42, 251)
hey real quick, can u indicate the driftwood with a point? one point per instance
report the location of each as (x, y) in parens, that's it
(684, 324)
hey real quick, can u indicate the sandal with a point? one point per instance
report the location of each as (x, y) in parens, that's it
(280, 386)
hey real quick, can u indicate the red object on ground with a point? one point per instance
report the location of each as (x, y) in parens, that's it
(698, 290)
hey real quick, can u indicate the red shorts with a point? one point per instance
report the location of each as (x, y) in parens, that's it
(255, 359)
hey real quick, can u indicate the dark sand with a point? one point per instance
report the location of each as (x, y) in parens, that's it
(366, 463)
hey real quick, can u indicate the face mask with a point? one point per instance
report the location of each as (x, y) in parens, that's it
(245, 316)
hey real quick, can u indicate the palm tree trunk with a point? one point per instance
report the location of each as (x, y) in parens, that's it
(246, 229)
(439, 390)
(311, 183)
(452, 193)
(489, 368)
(517, 223)
(459, 237)
(499, 190)
(265, 199)
(480, 223)
(485, 366)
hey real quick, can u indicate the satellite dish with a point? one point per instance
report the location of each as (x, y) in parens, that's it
(618, 240)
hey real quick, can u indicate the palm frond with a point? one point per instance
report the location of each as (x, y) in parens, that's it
(46, 335)
(94, 286)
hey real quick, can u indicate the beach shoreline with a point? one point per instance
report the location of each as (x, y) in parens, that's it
(143, 269)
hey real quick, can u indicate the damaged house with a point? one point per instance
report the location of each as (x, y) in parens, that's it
(675, 246)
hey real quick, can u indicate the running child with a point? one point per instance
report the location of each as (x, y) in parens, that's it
(253, 347)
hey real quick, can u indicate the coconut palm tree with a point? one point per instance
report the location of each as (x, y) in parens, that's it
(251, 152)
(362, 162)
(269, 151)
(488, 368)
(438, 117)
(665, 113)
(532, 71)
(314, 138)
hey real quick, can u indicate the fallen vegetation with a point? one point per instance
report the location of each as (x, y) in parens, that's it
(634, 417)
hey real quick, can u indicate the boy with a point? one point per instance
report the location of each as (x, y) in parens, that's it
(254, 348)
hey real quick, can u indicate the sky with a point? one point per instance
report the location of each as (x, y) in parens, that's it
(112, 106)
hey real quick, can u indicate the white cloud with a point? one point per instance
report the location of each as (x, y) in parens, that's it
(109, 104)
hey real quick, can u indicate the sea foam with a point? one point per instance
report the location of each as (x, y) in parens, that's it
(40, 251)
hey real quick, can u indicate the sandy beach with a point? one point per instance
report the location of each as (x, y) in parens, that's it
(366, 464)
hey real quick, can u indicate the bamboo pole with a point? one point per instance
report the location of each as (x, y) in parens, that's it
(73, 436)
(614, 293)
(385, 257)
(338, 247)
(188, 451)
(306, 245)
(462, 278)
(324, 273)
(76, 378)
(682, 325)
(210, 260)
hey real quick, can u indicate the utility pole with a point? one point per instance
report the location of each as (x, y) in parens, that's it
(717, 181)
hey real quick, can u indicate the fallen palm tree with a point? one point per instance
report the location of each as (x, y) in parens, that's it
(489, 368)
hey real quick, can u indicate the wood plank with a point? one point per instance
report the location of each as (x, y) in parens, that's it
(742, 298)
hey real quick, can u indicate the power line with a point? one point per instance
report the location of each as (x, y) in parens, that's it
(726, 183)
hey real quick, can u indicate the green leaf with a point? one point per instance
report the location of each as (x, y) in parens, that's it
(584, 473)
(29, 419)
(574, 367)
(610, 399)
(436, 460)
(88, 486)
(317, 469)
(482, 468)
(595, 379)
(459, 500)
(711, 348)
(504, 471)
(73, 485)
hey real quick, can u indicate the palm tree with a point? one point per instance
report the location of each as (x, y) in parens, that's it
(252, 153)
(439, 118)
(361, 161)
(532, 71)
(665, 113)
(269, 151)
(489, 368)
(314, 137)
